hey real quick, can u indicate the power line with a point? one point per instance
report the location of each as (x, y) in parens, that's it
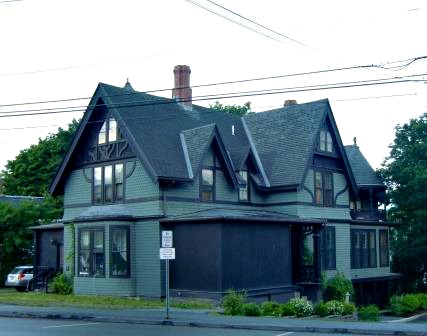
(236, 95)
(258, 24)
(252, 108)
(212, 96)
(354, 67)
(231, 20)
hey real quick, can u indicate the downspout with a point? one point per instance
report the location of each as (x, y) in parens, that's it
(164, 200)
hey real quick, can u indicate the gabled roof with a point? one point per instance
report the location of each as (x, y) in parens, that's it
(197, 143)
(153, 127)
(170, 139)
(285, 140)
(362, 170)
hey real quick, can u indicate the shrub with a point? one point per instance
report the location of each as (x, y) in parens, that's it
(302, 307)
(349, 308)
(271, 308)
(405, 304)
(62, 285)
(321, 309)
(369, 313)
(233, 302)
(287, 309)
(337, 287)
(335, 307)
(251, 309)
(423, 300)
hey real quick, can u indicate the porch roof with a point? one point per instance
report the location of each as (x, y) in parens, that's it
(241, 215)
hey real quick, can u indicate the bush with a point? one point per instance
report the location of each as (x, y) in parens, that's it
(369, 313)
(62, 285)
(271, 308)
(423, 300)
(287, 309)
(335, 307)
(302, 307)
(321, 309)
(233, 302)
(337, 287)
(405, 304)
(349, 309)
(251, 309)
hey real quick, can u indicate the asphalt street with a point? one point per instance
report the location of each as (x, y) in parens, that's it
(36, 327)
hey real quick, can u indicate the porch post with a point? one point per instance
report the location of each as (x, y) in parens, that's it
(316, 248)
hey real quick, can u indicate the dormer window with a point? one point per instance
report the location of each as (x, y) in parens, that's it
(244, 190)
(325, 141)
(108, 132)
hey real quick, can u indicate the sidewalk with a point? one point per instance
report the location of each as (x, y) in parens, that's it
(208, 319)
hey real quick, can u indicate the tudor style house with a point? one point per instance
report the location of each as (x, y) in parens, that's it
(267, 202)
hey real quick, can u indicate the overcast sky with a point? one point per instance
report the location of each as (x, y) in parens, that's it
(53, 50)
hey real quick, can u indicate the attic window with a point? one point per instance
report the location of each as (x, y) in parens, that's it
(325, 141)
(109, 132)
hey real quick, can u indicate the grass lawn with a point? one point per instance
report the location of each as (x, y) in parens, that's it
(11, 296)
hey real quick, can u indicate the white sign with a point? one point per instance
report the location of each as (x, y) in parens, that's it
(167, 253)
(166, 238)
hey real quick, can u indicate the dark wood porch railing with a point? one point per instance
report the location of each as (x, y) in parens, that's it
(372, 215)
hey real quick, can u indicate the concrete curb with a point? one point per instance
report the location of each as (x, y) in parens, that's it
(408, 319)
(213, 325)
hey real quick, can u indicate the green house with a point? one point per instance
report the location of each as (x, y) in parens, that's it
(266, 202)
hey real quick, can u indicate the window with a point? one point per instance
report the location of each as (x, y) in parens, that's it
(120, 263)
(363, 251)
(384, 257)
(108, 184)
(328, 246)
(207, 187)
(325, 141)
(109, 132)
(91, 253)
(244, 191)
(323, 188)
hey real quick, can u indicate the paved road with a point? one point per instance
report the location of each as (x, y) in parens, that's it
(42, 327)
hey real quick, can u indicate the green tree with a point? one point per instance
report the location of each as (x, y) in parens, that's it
(16, 243)
(405, 172)
(239, 110)
(32, 171)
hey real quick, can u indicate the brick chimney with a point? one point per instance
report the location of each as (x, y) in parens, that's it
(289, 102)
(182, 91)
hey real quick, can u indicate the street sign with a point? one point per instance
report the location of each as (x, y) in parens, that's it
(167, 253)
(167, 239)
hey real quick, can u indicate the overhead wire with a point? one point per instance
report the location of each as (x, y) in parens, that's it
(258, 24)
(354, 67)
(163, 101)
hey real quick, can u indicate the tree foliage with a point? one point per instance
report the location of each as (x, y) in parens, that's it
(32, 171)
(405, 172)
(239, 110)
(16, 243)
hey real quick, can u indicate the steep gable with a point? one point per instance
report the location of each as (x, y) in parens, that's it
(287, 139)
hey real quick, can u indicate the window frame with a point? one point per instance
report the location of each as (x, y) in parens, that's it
(364, 256)
(91, 251)
(107, 131)
(329, 252)
(325, 201)
(384, 259)
(326, 142)
(103, 199)
(214, 167)
(246, 189)
(128, 261)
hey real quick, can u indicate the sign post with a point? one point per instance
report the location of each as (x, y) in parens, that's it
(167, 252)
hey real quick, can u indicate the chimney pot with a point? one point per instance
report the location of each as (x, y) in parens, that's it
(289, 102)
(182, 92)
